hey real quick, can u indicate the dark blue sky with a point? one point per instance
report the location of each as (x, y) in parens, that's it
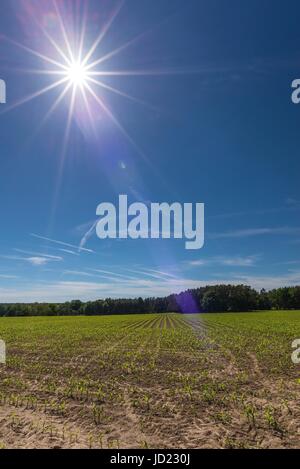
(219, 127)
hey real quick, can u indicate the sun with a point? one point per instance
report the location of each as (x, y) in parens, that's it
(83, 78)
(77, 74)
(81, 75)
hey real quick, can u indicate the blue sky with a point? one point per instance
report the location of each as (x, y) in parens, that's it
(213, 122)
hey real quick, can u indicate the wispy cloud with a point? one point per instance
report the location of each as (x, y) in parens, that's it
(290, 206)
(36, 260)
(79, 273)
(293, 262)
(236, 261)
(47, 256)
(151, 273)
(33, 258)
(239, 261)
(61, 243)
(245, 233)
(68, 290)
(291, 278)
(293, 203)
(85, 290)
(110, 274)
(68, 251)
(87, 235)
(160, 272)
(8, 277)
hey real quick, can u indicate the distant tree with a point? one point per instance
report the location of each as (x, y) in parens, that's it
(264, 301)
(215, 299)
(75, 305)
(204, 299)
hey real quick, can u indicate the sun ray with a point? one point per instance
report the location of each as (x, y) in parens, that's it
(55, 104)
(83, 92)
(120, 93)
(36, 71)
(128, 73)
(50, 112)
(114, 120)
(64, 32)
(69, 121)
(114, 52)
(127, 44)
(63, 157)
(40, 72)
(103, 32)
(54, 44)
(83, 31)
(37, 54)
(34, 95)
(127, 136)
(50, 38)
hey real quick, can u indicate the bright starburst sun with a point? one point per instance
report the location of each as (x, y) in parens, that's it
(77, 72)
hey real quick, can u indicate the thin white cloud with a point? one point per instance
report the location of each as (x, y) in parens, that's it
(62, 243)
(239, 261)
(291, 205)
(292, 278)
(245, 233)
(112, 274)
(8, 277)
(38, 254)
(139, 273)
(294, 203)
(68, 290)
(87, 235)
(79, 273)
(68, 251)
(197, 263)
(151, 273)
(160, 272)
(35, 260)
(236, 261)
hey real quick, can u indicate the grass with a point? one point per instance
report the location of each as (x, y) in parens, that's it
(213, 380)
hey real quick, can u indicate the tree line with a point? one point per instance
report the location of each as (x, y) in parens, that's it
(217, 298)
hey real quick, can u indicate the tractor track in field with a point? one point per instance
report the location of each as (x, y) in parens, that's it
(21, 428)
(219, 355)
(232, 368)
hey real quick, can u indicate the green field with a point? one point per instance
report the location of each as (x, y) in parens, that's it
(159, 381)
